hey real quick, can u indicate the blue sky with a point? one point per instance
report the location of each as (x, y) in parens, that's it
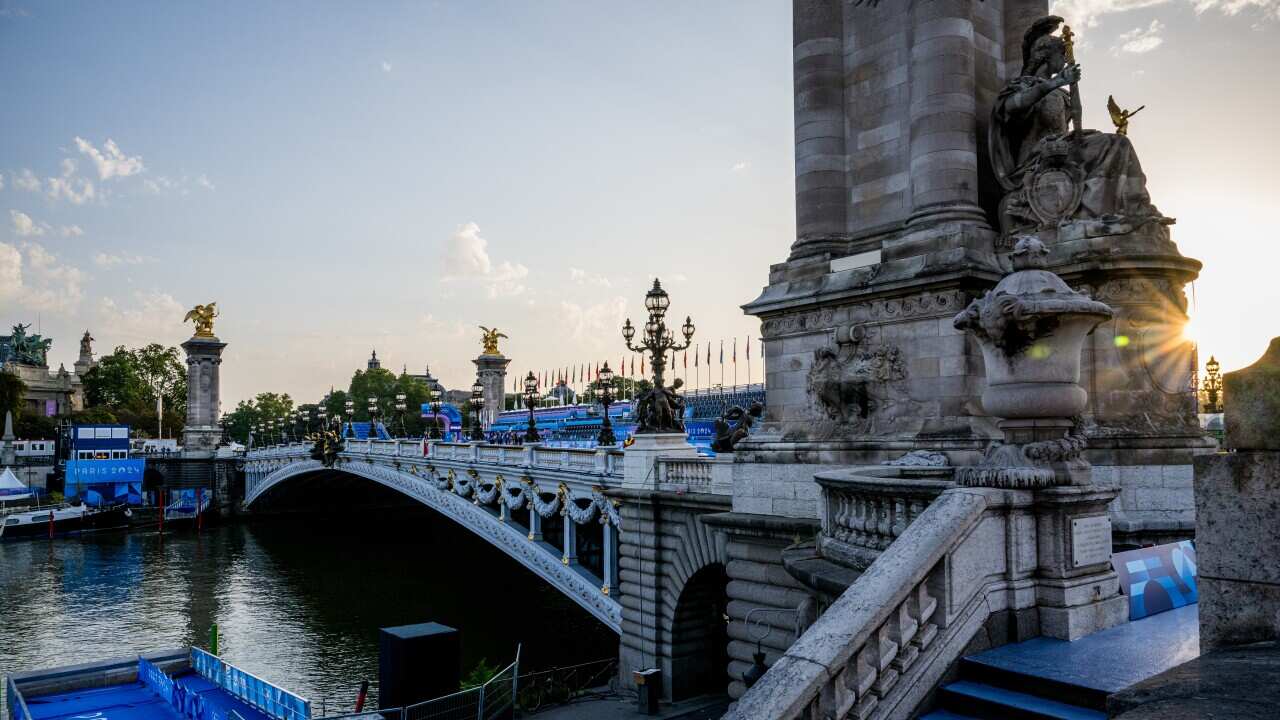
(343, 176)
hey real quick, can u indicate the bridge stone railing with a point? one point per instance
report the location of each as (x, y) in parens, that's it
(696, 474)
(863, 514)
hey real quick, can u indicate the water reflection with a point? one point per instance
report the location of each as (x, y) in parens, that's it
(299, 601)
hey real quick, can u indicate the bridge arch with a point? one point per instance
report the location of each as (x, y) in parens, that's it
(426, 486)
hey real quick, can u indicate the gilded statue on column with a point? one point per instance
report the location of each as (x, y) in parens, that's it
(490, 340)
(202, 316)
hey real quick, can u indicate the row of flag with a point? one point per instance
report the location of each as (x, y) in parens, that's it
(583, 373)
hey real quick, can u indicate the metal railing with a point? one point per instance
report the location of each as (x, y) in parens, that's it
(493, 700)
(548, 688)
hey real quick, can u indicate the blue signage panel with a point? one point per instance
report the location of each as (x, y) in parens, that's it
(1157, 578)
(98, 482)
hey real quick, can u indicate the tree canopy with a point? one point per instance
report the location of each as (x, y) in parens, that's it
(127, 384)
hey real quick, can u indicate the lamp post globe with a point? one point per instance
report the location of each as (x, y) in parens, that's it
(435, 414)
(400, 410)
(530, 399)
(659, 410)
(477, 407)
(606, 436)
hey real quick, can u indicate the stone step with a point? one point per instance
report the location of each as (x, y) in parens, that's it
(987, 701)
(976, 670)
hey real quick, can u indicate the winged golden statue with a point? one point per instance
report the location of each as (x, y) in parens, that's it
(202, 316)
(1120, 117)
(490, 340)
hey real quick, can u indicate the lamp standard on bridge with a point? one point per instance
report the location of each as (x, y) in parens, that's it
(350, 408)
(477, 407)
(658, 408)
(530, 398)
(401, 406)
(606, 436)
(322, 418)
(373, 418)
(435, 433)
(286, 429)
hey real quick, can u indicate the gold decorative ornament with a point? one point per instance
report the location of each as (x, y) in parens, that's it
(1120, 117)
(490, 341)
(202, 316)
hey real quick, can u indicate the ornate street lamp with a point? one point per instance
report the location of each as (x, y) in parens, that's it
(1212, 386)
(286, 429)
(530, 399)
(350, 408)
(477, 407)
(606, 436)
(400, 408)
(659, 410)
(322, 419)
(373, 418)
(435, 414)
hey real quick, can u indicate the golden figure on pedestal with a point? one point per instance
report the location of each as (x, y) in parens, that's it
(490, 340)
(202, 316)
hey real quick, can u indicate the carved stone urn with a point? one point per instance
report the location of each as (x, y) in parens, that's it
(1031, 328)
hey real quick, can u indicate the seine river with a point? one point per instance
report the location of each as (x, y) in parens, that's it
(299, 601)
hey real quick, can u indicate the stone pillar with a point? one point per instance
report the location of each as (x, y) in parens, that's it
(1237, 527)
(492, 371)
(943, 114)
(535, 524)
(202, 434)
(8, 452)
(821, 183)
(570, 541)
(610, 558)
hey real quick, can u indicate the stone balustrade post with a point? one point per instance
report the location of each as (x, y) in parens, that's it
(570, 540)
(610, 558)
(535, 524)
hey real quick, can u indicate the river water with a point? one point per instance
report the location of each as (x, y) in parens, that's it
(299, 601)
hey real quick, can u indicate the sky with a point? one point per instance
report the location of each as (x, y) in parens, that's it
(341, 177)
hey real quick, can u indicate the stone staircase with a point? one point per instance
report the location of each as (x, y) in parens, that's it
(984, 691)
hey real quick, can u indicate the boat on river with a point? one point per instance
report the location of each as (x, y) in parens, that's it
(62, 520)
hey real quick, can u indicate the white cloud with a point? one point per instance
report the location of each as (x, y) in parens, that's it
(467, 257)
(75, 189)
(110, 161)
(148, 315)
(1, 181)
(203, 181)
(32, 278)
(582, 277)
(591, 323)
(27, 180)
(740, 166)
(1086, 13)
(386, 66)
(23, 225)
(1140, 40)
(105, 260)
(70, 231)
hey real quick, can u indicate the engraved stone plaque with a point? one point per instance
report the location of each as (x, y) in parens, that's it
(1090, 540)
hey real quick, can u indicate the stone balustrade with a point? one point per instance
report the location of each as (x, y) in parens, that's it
(863, 514)
(886, 640)
(695, 474)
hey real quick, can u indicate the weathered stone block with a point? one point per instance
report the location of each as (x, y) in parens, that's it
(1252, 418)
(1237, 499)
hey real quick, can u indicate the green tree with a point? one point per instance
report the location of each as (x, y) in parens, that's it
(266, 407)
(384, 385)
(132, 384)
(12, 390)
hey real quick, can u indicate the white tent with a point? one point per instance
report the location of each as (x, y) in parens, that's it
(12, 489)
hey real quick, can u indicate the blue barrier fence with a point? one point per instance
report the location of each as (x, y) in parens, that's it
(17, 707)
(187, 704)
(258, 693)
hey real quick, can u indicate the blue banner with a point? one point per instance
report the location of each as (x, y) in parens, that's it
(105, 482)
(271, 700)
(1157, 578)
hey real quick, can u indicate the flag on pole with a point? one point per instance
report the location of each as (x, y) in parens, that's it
(686, 359)
(708, 354)
(641, 366)
(722, 352)
(735, 351)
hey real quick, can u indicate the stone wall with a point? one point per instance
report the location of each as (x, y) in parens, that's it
(664, 543)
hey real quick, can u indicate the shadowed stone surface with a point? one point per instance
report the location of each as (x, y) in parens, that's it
(1235, 684)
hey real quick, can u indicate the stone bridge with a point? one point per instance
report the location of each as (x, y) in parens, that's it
(621, 533)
